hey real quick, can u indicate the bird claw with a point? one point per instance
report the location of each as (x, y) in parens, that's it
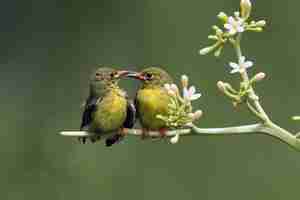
(93, 139)
(82, 140)
(144, 134)
(113, 139)
(162, 132)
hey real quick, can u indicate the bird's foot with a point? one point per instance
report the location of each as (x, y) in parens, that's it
(116, 138)
(113, 139)
(145, 133)
(82, 140)
(162, 132)
(95, 138)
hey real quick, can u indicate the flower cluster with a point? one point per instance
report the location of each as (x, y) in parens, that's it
(240, 95)
(180, 110)
(232, 26)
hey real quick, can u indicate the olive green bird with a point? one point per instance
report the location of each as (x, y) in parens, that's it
(107, 108)
(152, 98)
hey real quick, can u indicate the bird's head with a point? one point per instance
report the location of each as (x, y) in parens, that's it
(152, 77)
(105, 78)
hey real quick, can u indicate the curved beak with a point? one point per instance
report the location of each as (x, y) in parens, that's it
(136, 75)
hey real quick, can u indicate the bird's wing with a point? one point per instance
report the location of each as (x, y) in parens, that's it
(135, 103)
(130, 116)
(89, 108)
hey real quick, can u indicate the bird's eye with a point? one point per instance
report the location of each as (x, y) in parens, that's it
(97, 74)
(113, 74)
(148, 76)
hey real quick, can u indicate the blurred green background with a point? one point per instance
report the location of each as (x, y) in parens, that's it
(49, 48)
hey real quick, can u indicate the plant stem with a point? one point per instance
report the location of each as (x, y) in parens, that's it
(193, 130)
(252, 95)
(268, 126)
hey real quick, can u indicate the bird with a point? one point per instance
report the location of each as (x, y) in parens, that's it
(107, 108)
(152, 98)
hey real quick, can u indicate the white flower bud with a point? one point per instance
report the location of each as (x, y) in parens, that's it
(259, 77)
(167, 86)
(197, 114)
(245, 8)
(205, 50)
(174, 88)
(184, 81)
(174, 139)
(261, 23)
(213, 37)
(171, 93)
(296, 118)
(221, 86)
(191, 115)
(257, 29)
(236, 14)
(222, 16)
(218, 51)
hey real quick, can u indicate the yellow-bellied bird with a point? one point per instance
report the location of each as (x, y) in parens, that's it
(152, 98)
(107, 109)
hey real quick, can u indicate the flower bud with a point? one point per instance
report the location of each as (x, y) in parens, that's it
(257, 29)
(184, 81)
(296, 118)
(222, 16)
(261, 23)
(174, 139)
(236, 14)
(221, 86)
(245, 8)
(167, 86)
(206, 50)
(218, 51)
(174, 88)
(259, 77)
(171, 93)
(197, 114)
(213, 37)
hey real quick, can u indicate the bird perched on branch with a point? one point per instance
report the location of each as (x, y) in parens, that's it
(107, 109)
(152, 98)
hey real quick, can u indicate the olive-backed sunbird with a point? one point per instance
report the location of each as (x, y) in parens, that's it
(107, 108)
(152, 98)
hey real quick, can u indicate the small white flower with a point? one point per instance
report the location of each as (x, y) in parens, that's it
(190, 94)
(234, 25)
(243, 65)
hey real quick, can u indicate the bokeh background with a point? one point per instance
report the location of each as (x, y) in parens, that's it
(49, 48)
